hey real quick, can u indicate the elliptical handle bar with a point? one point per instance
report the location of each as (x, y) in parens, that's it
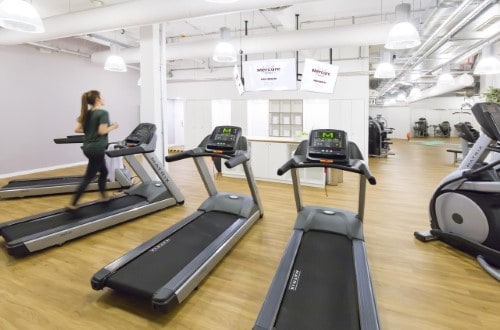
(470, 173)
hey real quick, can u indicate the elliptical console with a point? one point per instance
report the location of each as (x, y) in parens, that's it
(328, 146)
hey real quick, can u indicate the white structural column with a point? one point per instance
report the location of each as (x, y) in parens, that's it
(154, 83)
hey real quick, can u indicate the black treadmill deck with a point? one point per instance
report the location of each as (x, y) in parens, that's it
(66, 218)
(147, 273)
(321, 292)
(44, 182)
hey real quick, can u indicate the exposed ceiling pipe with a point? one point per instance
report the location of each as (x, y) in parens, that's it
(351, 35)
(57, 49)
(424, 49)
(438, 90)
(131, 14)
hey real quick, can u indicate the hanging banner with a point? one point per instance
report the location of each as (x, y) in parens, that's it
(237, 80)
(318, 77)
(270, 75)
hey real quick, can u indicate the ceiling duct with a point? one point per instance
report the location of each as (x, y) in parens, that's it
(131, 14)
(351, 35)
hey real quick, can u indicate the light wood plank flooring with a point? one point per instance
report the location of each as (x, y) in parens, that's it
(417, 285)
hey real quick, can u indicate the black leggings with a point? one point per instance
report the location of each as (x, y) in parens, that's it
(96, 164)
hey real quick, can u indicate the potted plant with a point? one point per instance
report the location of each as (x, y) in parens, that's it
(492, 95)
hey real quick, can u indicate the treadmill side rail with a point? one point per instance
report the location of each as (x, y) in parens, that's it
(368, 317)
(272, 303)
(189, 278)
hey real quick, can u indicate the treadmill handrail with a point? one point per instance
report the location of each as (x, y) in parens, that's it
(70, 139)
(124, 151)
(237, 159)
(355, 165)
(233, 160)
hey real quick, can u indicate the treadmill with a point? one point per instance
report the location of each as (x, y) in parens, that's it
(63, 184)
(323, 280)
(166, 268)
(33, 233)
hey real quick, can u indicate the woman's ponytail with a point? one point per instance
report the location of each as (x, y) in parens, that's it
(88, 98)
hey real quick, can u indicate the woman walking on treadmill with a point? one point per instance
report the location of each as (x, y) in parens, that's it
(94, 123)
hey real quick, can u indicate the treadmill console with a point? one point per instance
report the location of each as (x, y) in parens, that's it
(224, 139)
(328, 145)
(141, 134)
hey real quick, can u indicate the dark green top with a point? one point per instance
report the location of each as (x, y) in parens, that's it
(92, 140)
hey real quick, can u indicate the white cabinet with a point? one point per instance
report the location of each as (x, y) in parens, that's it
(267, 157)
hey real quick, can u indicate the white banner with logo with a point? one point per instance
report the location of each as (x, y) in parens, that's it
(318, 77)
(270, 75)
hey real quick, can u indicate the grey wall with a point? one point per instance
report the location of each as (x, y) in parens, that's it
(40, 100)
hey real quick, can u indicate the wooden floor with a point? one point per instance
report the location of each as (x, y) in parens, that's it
(417, 285)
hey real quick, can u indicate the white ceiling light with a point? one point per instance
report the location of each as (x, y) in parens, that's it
(21, 16)
(415, 93)
(224, 52)
(385, 70)
(465, 79)
(488, 64)
(115, 62)
(403, 34)
(445, 78)
(401, 97)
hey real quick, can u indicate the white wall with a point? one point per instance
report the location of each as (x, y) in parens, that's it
(315, 114)
(197, 122)
(258, 117)
(41, 96)
(221, 113)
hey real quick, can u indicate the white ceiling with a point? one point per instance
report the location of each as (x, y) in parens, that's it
(427, 15)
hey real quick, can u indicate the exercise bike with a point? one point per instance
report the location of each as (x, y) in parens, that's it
(465, 209)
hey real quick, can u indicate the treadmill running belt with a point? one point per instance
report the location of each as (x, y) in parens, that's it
(147, 273)
(321, 292)
(47, 182)
(65, 218)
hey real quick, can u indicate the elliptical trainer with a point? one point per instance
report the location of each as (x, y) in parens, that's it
(464, 209)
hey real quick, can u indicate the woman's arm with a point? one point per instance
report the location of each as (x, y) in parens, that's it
(105, 128)
(78, 128)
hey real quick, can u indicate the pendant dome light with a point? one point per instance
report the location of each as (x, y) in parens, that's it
(20, 16)
(115, 62)
(488, 64)
(224, 52)
(445, 78)
(403, 35)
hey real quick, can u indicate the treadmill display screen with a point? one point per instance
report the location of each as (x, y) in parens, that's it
(328, 144)
(141, 134)
(224, 138)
